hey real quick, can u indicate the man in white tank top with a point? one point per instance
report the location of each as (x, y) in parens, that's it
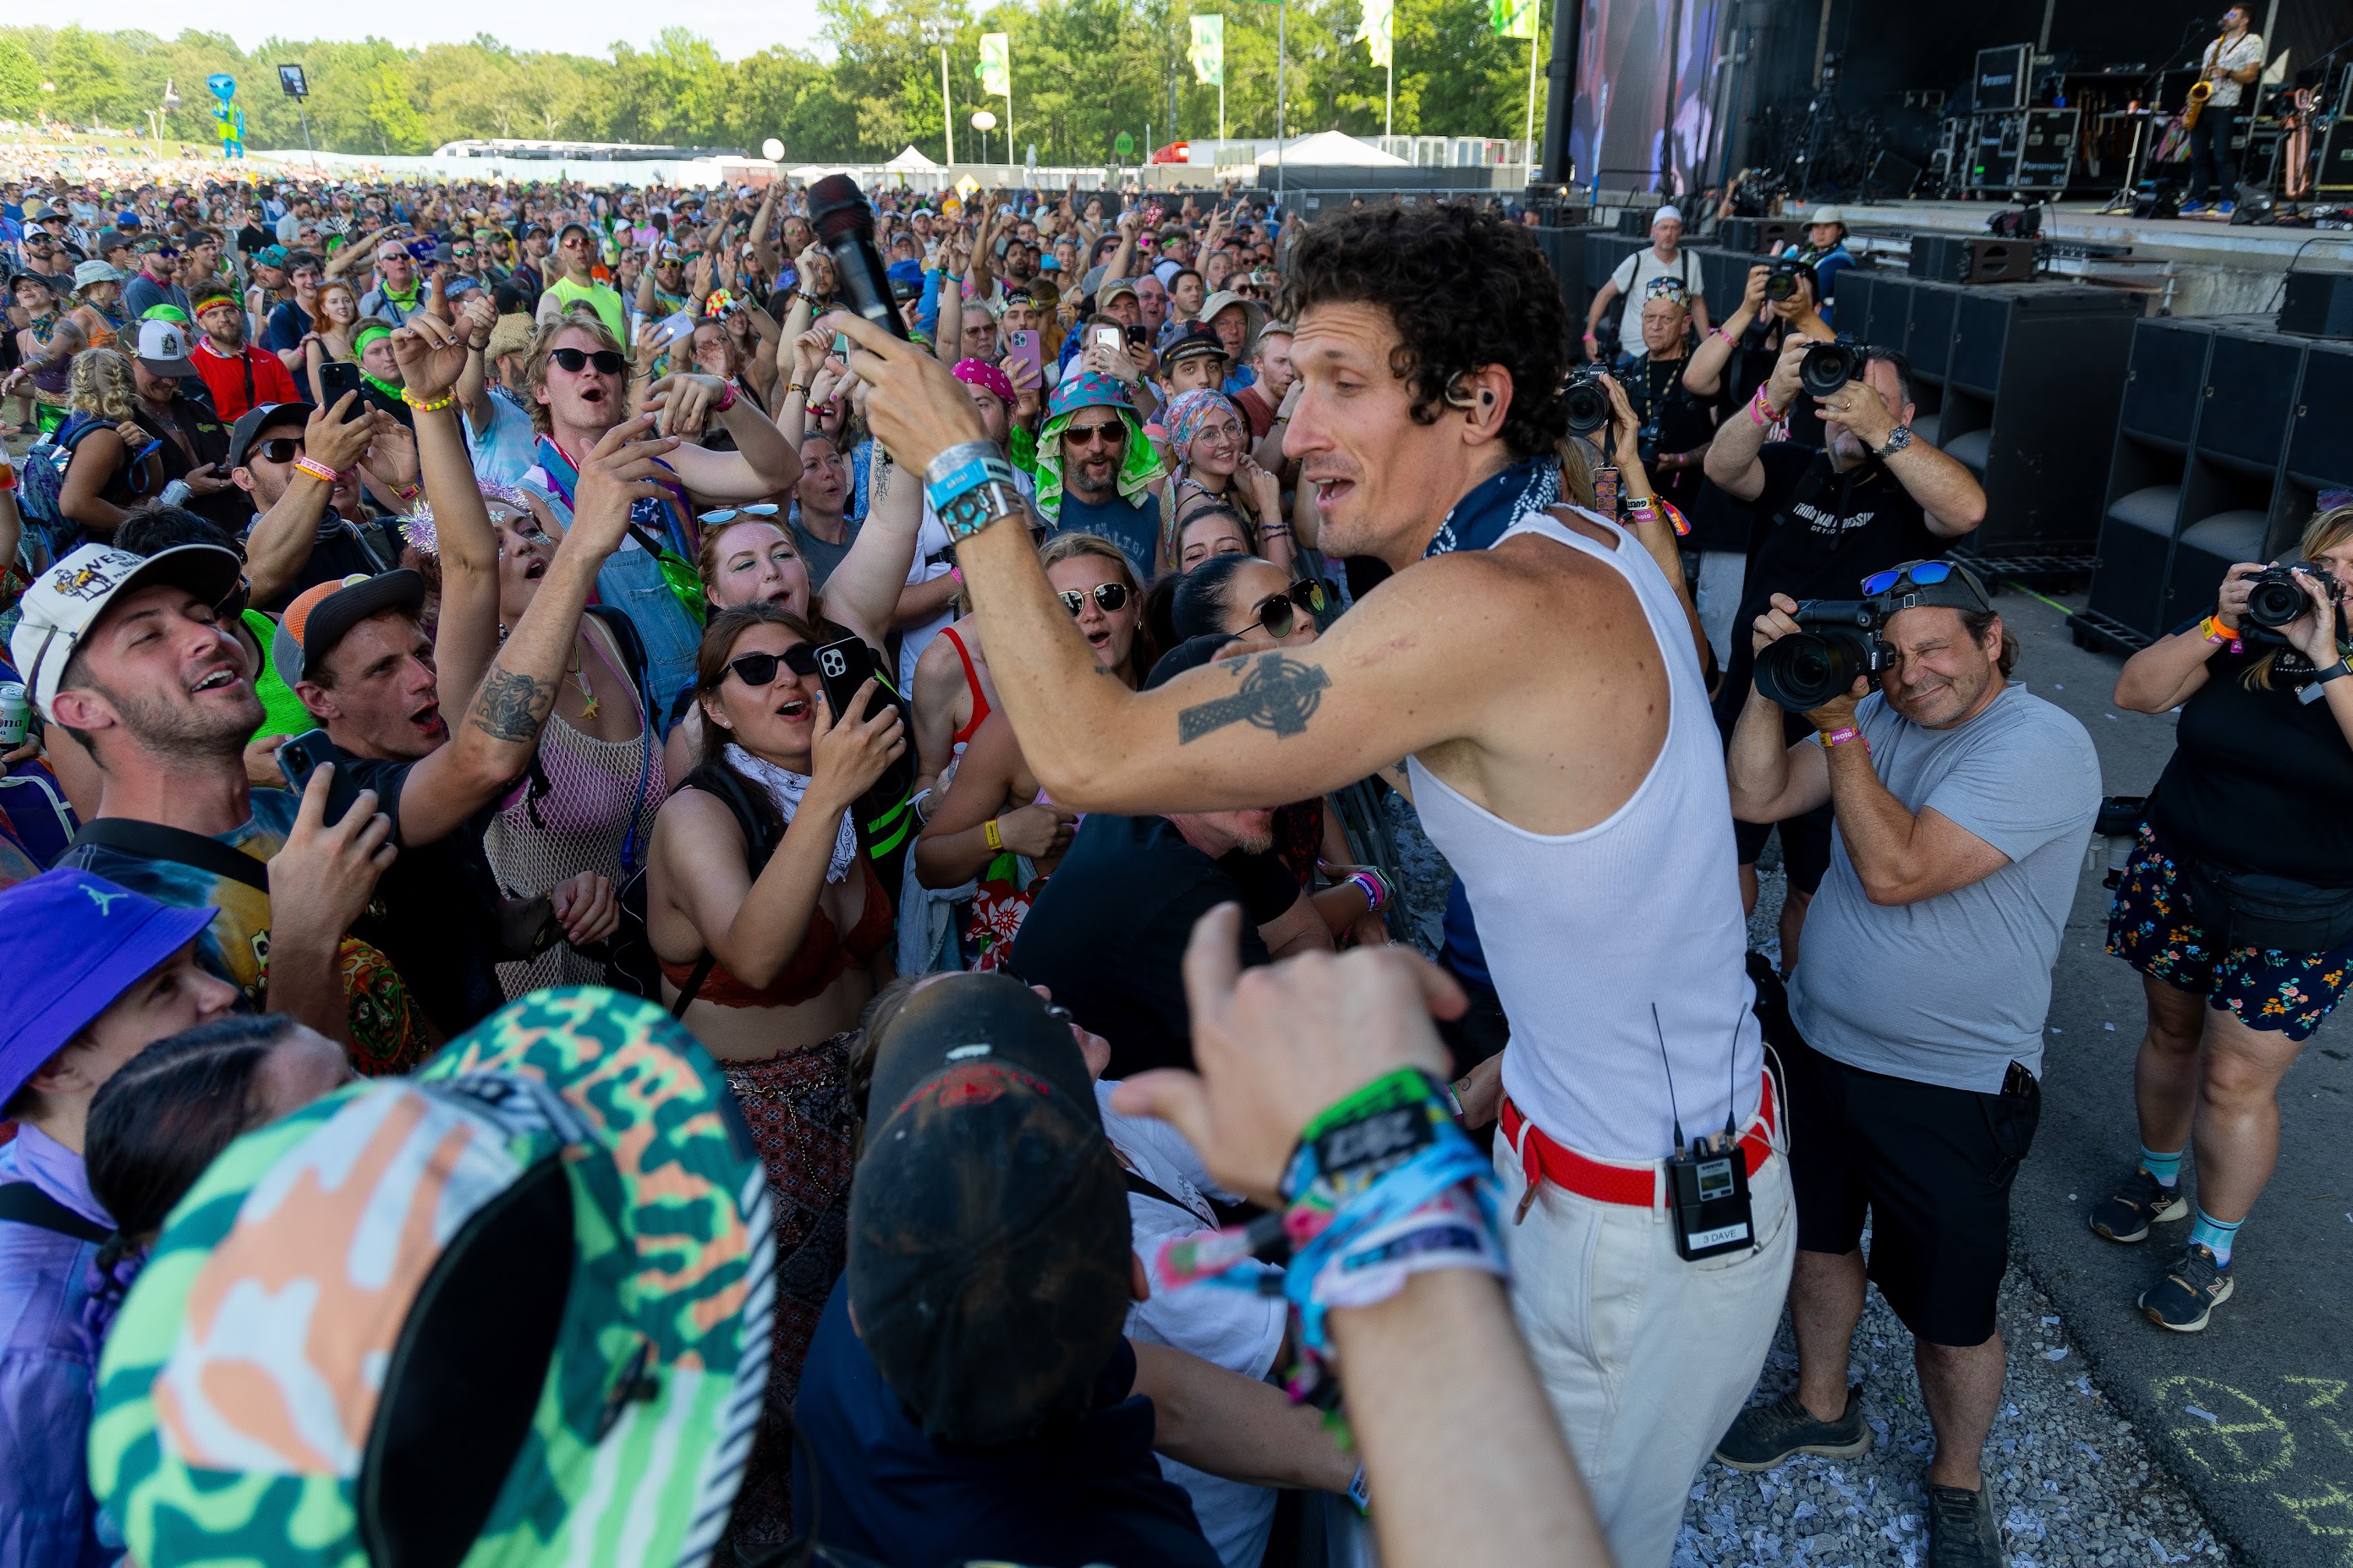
(1541, 672)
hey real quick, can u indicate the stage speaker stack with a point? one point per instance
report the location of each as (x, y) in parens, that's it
(2318, 304)
(1565, 248)
(2018, 383)
(2335, 175)
(1969, 258)
(1757, 236)
(1635, 222)
(2230, 430)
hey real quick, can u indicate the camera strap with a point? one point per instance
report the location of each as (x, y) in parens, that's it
(1707, 1178)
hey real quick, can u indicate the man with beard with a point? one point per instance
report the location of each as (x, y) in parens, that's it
(129, 655)
(1827, 517)
(1095, 469)
(235, 374)
(1579, 794)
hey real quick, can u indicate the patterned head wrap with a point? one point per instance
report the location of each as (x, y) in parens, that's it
(980, 372)
(1184, 414)
(1087, 389)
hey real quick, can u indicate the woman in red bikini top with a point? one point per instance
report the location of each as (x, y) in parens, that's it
(799, 950)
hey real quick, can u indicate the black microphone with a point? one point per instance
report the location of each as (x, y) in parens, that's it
(845, 227)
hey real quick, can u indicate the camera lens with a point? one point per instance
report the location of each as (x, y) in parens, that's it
(1829, 366)
(1779, 287)
(1588, 407)
(2274, 599)
(1804, 671)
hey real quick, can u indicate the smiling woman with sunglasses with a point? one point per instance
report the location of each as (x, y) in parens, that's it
(993, 823)
(769, 954)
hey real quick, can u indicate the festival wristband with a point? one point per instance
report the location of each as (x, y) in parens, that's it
(317, 470)
(1727, 337)
(995, 836)
(1830, 738)
(1761, 412)
(726, 398)
(422, 405)
(1376, 890)
(2217, 631)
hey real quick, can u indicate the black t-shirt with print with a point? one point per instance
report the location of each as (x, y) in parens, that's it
(1819, 534)
(1108, 932)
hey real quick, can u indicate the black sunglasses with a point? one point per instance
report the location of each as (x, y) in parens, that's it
(1275, 611)
(1110, 598)
(760, 669)
(577, 360)
(1110, 432)
(281, 449)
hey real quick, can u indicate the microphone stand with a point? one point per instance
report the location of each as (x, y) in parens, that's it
(2122, 202)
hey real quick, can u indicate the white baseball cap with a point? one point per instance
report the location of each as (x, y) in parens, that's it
(1664, 213)
(66, 601)
(1826, 214)
(164, 348)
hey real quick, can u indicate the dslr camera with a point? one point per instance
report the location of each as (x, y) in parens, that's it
(2275, 597)
(1836, 641)
(1781, 278)
(1588, 399)
(1829, 366)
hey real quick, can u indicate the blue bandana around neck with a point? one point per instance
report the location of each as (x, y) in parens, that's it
(1498, 503)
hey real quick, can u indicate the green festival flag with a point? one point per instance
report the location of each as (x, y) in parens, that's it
(996, 69)
(1513, 18)
(1209, 51)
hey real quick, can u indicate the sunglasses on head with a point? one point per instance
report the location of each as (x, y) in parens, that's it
(1110, 598)
(760, 669)
(1922, 574)
(730, 513)
(577, 360)
(1089, 435)
(1275, 612)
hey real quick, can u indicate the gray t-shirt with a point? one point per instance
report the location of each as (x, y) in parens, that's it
(1634, 279)
(1952, 989)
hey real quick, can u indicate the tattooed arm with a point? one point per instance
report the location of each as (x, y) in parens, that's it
(491, 745)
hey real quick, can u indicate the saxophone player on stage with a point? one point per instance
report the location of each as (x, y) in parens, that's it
(2233, 60)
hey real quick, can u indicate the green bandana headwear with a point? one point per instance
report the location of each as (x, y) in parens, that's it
(364, 334)
(1137, 470)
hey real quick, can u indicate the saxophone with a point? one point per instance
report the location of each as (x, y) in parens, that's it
(2201, 89)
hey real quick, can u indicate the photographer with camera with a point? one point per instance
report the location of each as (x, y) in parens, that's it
(1963, 806)
(1673, 426)
(1871, 496)
(2237, 904)
(1730, 364)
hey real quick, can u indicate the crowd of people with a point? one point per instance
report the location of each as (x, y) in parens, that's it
(450, 1104)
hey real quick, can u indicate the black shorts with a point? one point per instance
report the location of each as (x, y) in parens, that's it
(1932, 1166)
(1805, 845)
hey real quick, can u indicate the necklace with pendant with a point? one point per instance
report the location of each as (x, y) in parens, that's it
(587, 698)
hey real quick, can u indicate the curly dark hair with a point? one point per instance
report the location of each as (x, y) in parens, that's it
(1466, 290)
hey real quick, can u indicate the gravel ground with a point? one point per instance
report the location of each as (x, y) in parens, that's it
(2073, 1486)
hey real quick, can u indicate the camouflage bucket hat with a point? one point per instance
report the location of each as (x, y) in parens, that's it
(513, 1311)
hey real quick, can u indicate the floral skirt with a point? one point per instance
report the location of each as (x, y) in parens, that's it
(2154, 927)
(798, 1109)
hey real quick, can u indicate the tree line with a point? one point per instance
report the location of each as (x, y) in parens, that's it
(1084, 71)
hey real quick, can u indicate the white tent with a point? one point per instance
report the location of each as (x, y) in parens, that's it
(911, 161)
(1331, 149)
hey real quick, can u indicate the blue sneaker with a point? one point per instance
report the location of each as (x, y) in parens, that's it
(2193, 209)
(2225, 209)
(2190, 1291)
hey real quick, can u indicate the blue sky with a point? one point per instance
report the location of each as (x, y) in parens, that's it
(738, 27)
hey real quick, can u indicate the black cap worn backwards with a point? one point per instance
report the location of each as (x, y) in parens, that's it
(989, 1233)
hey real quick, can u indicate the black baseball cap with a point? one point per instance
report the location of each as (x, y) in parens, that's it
(321, 616)
(1194, 341)
(989, 1233)
(262, 417)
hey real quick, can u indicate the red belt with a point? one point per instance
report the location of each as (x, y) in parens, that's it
(1630, 1183)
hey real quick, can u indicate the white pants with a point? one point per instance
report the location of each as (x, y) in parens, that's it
(1723, 574)
(1646, 1358)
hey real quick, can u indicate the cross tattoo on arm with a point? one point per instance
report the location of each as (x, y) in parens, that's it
(1276, 693)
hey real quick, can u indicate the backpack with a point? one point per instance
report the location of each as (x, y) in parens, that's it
(43, 480)
(631, 964)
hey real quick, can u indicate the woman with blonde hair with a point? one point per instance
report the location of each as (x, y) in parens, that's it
(116, 465)
(336, 317)
(2237, 904)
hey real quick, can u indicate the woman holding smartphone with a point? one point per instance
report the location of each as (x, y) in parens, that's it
(329, 339)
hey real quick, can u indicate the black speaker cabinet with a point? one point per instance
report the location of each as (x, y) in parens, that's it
(2335, 175)
(2318, 304)
(1565, 248)
(1635, 222)
(1969, 258)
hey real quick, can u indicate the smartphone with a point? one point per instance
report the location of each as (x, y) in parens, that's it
(841, 347)
(299, 757)
(1025, 345)
(1140, 335)
(1108, 337)
(675, 328)
(841, 668)
(337, 377)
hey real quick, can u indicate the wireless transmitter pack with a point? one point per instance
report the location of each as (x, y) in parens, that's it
(1709, 1186)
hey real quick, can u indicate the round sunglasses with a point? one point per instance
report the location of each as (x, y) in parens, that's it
(1110, 598)
(1278, 613)
(757, 669)
(727, 514)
